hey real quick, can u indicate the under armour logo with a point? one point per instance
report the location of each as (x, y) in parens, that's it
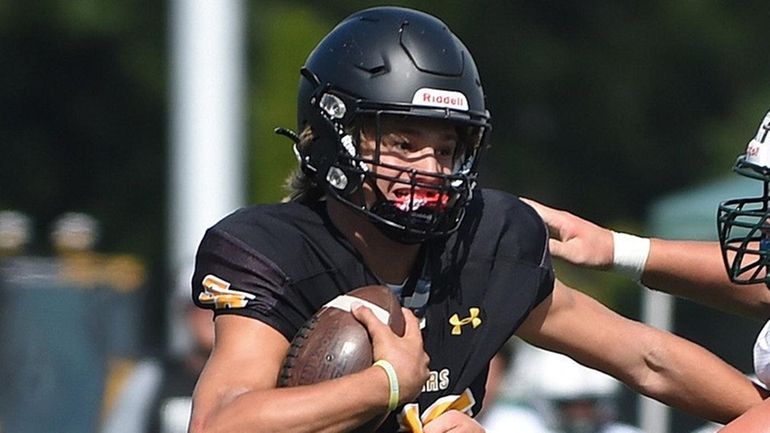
(458, 323)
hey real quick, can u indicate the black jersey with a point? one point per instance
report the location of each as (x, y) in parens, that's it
(280, 263)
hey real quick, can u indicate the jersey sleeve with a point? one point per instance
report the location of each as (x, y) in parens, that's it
(548, 276)
(526, 242)
(231, 277)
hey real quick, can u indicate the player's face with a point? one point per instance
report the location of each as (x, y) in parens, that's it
(409, 145)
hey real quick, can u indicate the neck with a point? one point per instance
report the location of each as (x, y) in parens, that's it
(379, 251)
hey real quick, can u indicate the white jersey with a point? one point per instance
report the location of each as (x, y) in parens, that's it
(762, 355)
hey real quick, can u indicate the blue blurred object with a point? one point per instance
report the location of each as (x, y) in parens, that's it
(60, 325)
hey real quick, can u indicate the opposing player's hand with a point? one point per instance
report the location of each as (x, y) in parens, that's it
(406, 353)
(574, 239)
(455, 422)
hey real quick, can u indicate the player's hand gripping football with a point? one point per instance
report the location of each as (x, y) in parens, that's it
(574, 239)
(406, 353)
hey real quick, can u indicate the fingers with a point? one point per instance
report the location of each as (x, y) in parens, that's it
(544, 211)
(405, 354)
(549, 215)
(453, 421)
(574, 239)
(375, 327)
(367, 318)
(535, 204)
(412, 323)
(556, 247)
(551, 220)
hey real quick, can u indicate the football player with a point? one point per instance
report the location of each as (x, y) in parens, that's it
(392, 121)
(694, 269)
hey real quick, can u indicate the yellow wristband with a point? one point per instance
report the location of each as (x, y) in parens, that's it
(392, 380)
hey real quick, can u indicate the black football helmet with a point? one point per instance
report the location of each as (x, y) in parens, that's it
(391, 61)
(744, 223)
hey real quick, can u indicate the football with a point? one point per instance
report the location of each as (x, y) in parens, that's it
(333, 343)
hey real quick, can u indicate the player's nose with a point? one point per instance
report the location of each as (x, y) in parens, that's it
(428, 161)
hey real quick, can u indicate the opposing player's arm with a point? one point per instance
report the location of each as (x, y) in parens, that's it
(755, 420)
(656, 363)
(237, 389)
(690, 269)
(695, 270)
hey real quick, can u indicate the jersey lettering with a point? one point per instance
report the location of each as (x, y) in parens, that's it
(437, 381)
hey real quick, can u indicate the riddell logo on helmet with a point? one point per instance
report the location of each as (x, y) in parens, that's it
(440, 98)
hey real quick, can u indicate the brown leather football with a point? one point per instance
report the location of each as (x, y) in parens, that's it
(333, 343)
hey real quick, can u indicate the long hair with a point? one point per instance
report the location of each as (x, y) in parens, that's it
(301, 187)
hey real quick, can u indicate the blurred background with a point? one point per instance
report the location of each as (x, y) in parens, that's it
(630, 114)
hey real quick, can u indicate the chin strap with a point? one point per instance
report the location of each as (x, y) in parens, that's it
(302, 160)
(291, 135)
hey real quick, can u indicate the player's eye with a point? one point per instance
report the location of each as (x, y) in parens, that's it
(403, 146)
(398, 144)
(446, 151)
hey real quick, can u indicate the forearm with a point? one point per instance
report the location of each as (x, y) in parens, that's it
(694, 270)
(684, 375)
(331, 406)
(656, 363)
(753, 421)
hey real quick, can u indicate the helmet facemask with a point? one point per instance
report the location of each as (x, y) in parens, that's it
(417, 205)
(744, 235)
(744, 223)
